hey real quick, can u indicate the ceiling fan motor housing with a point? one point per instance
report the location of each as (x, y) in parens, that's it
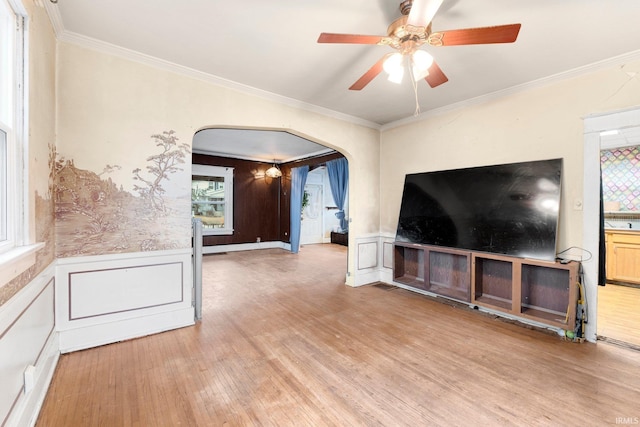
(406, 37)
(405, 7)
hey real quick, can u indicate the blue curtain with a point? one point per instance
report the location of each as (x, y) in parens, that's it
(338, 171)
(298, 179)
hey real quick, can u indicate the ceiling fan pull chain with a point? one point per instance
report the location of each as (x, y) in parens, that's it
(414, 83)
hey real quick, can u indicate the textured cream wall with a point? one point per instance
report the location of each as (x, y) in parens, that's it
(540, 123)
(40, 143)
(42, 72)
(109, 106)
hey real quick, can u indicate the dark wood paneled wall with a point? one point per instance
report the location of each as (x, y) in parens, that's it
(261, 206)
(255, 201)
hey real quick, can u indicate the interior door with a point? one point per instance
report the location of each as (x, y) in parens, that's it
(312, 215)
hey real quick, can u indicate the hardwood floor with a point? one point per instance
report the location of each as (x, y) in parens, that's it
(284, 343)
(619, 313)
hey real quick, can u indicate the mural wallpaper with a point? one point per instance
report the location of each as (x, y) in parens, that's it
(621, 177)
(44, 233)
(95, 216)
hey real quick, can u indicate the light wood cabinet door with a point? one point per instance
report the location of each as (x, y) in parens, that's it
(610, 255)
(623, 262)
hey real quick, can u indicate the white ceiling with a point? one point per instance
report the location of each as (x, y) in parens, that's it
(254, 144)
(624, 137)
(269, 47)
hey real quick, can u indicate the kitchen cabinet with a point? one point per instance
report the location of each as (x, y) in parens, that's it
(623, 256)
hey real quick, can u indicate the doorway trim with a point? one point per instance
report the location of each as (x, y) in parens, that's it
(593, 125)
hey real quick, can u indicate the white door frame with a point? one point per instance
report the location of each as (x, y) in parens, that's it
(316, 177)
(593, 125)
(320, 219)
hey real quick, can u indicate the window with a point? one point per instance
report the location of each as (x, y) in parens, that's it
(17, 253)
(3, 185)
(12, 125)
(212, 198)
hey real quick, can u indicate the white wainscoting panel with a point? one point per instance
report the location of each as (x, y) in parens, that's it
(110, 298)
(374, 259)
(367, 255)
(367, 262)
(386, 272)
(27, 339)
(120, 289)
(387, 255)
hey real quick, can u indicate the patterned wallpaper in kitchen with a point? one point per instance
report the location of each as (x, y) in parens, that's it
(621, 177)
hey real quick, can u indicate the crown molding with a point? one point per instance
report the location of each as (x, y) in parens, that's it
(111, 49)
(55, 17)
(545, 81)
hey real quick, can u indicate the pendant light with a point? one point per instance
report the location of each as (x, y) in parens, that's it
(273, 171)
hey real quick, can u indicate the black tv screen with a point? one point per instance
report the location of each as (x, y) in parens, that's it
(509, 209)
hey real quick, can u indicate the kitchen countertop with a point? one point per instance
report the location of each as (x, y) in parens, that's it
(622, 230)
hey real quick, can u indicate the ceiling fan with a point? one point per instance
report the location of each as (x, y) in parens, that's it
(412, 30)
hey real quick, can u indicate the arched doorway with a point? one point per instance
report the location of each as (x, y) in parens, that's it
(256, 212)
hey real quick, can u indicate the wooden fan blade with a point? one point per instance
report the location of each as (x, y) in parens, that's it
(369, 75)
(349, 38)
(481, 35)
(436, 77)
(422, 12)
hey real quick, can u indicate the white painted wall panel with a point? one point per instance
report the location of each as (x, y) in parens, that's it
(367, 255)
(367, 260)
(387, 254)
(109, 298)
(115, 290)
(26, 325)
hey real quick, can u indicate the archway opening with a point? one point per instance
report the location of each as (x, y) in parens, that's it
(244, 209)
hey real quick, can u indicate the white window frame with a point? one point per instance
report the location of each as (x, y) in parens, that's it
(227, 174)
(5, 241)
(17, 251)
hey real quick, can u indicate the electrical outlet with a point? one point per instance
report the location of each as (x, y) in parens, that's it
(29, 378)
(257, 240)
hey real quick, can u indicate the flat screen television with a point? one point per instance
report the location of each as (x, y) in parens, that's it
(509, 209)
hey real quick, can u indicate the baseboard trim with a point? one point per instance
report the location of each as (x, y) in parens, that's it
(27, 321)
(486, 310)
(386, 276)
(206, 250)
(34, 400)
(125, 329)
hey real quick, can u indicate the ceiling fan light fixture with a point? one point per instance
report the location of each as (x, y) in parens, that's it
(421, 61)
(273, 172)
(393, 66)
(396, 76)
(393, 63)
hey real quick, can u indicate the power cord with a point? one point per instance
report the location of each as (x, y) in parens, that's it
(566, 259)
